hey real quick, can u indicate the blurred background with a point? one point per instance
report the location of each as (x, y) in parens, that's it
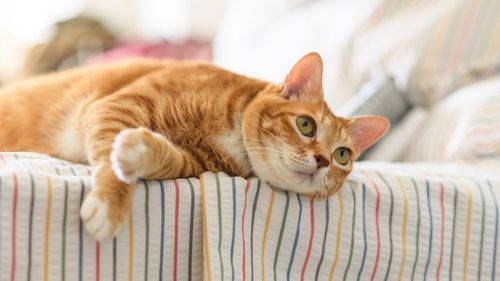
(259, 38)
(400, 58)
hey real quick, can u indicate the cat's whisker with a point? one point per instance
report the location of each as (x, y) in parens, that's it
(274, 136)
(266, 142)
(253, 149)
(282, 155)
(252, 169)
(264, 129)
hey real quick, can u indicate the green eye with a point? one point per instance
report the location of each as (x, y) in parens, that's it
(306, 125)
(342, 155)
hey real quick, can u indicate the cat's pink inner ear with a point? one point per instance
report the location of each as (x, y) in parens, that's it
(367, 130)
(305, 82)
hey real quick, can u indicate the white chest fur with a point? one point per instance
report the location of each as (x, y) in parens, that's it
(70, 144)
(232, 144)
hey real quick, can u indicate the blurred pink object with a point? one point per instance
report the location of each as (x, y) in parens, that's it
(183, 50)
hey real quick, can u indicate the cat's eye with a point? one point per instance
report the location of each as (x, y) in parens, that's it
(342, 155)
(306, 125)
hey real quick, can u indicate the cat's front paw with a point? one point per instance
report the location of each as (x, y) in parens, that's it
(128, 154)
(97, 220)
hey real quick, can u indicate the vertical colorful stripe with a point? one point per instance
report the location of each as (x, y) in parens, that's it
(391, 212)
(325, 234)
(365, 242)
(280, 237)
(131, 247)
(219, 212)
(233, 232)
(467, 234)
(441, 234)
(30, 230)
(146, 214)
(353, 234)
(191, 224)
(338, 235)
(452, 250)
(311, 239)
(206, 251)
(176, 229)
(264, 236)
(483, 217)
(14, 228)
(48, 215)
(162, 237)
(243, 264)
(295, 240)
(497, 222)
(403, 231)
(431, 226)
(64, 222)
(377, 223)
(80, 234)
(254, 208)
(98, 261)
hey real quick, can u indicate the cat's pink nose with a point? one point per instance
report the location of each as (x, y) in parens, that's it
(321, 161)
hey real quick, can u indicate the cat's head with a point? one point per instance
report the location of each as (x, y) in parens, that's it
(296, 143)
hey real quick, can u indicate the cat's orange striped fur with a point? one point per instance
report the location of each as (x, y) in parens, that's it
(160, 120)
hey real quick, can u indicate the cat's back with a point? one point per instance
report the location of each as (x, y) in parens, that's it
(105, 77)
(34, 110)
(30, 109)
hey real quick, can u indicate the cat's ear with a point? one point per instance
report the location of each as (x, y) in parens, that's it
(304, 82)
(367, 130)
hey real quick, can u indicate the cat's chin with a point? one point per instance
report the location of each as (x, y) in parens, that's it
(305, 177)
(299, 182)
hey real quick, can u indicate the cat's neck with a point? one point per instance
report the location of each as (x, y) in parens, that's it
(233, 146)
(232, 140)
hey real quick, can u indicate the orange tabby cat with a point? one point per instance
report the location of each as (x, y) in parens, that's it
(160, 120)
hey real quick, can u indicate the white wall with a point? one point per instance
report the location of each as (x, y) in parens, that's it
(159, 18)
(27, 22)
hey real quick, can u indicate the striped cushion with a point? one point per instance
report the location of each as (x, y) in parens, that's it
(409, 220)
(389, 222)
(430, 47)
(42, 238)
(463, 126)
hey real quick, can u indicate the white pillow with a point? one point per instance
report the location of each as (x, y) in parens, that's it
(465, 125)
(430, 47)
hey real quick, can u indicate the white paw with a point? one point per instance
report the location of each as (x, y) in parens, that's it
(127, 155)
(94, 213)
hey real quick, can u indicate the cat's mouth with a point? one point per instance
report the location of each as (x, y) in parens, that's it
(305, 175)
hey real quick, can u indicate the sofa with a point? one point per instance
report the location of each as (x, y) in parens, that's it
(422, 205)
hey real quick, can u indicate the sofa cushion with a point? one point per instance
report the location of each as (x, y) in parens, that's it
(429, 47)
(388, 222)
(463, 126)
(42, 236)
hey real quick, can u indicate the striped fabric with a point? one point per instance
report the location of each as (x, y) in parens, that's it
(464, 125)
(411, 222)
(42, 237)
(430, 47)
(422, 222)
